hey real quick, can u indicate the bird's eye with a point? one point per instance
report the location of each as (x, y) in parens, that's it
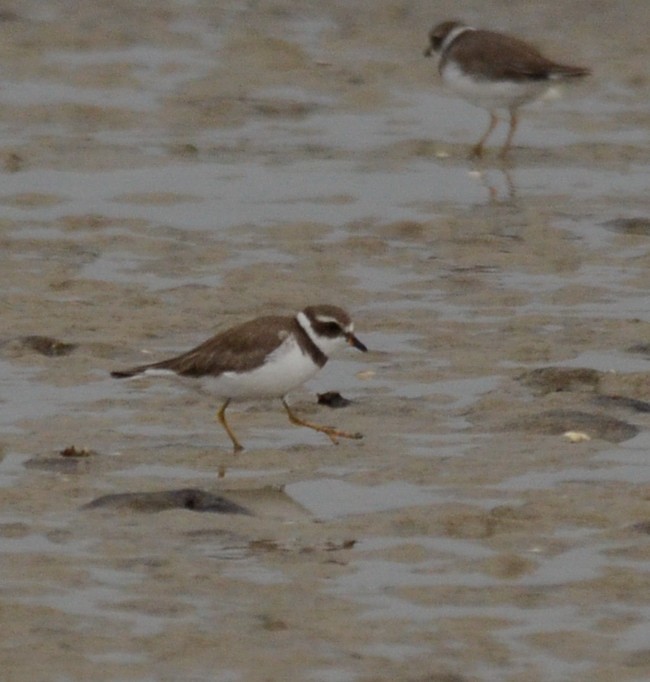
(333, 328)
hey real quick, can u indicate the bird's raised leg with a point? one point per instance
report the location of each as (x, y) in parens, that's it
(329, 431)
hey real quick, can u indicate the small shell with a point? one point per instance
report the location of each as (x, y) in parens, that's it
(366, 374)
(576, 436)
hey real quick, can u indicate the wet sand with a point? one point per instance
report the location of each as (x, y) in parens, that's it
(168, 172)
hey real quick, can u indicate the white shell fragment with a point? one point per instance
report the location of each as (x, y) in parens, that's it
(576, 436)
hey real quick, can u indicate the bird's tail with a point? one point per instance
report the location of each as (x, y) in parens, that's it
(162, 365)
(565, 71)
(126, 373)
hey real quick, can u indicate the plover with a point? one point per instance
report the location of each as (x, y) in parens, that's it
(266, 357)
(494, 71)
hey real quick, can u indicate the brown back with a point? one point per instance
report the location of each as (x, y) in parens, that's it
(497, 56)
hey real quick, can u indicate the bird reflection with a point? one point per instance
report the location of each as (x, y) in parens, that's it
(499, 183)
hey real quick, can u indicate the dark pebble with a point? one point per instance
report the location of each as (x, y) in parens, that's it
(187, 498)
(333, 399)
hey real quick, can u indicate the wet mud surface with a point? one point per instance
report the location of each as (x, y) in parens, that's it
(171, 169)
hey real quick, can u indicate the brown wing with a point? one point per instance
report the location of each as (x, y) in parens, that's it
(498, 56)
(234, 350)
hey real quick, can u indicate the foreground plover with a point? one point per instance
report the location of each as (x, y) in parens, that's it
(264, 358)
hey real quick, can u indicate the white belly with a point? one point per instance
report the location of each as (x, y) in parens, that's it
(286, 369)
(492, 94)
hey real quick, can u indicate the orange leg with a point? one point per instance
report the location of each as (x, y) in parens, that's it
(329, 431)
(221, 416)
(477, 149)
(511, 133)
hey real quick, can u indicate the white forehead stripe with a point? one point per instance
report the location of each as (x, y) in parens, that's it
(325, 319)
